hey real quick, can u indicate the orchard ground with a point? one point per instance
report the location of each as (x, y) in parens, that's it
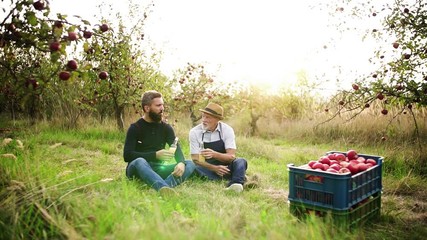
(70, 184)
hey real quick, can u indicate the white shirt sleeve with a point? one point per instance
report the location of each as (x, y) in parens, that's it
(228, 137)
(194, 141)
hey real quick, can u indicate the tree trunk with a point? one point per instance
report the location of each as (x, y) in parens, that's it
(119, 117)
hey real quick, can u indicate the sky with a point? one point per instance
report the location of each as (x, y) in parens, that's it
(262, 42)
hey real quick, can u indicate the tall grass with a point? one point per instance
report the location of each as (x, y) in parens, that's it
(70, 184)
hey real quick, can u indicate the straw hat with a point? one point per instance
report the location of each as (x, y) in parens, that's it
(214, 110)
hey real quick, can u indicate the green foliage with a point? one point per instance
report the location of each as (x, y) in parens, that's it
(33, 69)
(194, 88)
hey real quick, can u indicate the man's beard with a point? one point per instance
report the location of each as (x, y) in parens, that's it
(156, 117)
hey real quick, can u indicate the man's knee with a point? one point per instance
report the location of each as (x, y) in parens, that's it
(240, 162)
(189, 165)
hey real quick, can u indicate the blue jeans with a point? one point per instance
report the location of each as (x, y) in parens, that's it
(157, 175)
(237, 172)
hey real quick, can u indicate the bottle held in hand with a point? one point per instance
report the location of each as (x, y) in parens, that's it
(173, 147)
(201, 157)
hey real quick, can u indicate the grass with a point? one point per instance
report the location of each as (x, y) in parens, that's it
(70, 184)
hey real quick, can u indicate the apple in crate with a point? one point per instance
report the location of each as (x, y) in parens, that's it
(318, 165)
(352, 154)
(371, 161)
(325, 160)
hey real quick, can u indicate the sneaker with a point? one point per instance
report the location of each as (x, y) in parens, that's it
(237, 187)
(167, 192)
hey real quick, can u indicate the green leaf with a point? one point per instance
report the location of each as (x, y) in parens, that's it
(31, 18)
(88, 67)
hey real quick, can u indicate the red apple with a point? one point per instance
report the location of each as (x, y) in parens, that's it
(103, 75)
(361, 159)
(395, 44)
(335, 166)
(332, 156)
(353, 167)
(325, 160)
(11, 27)
(64, 75)
(87, 34)
(58, 24)
(362, 167)
(332, 170)
(318, 165)
(340, 157)
(72, 64)
(54, 46)
(333, 162)
(344, 164)
(355, 86)
(104, 27)
(311, 163)
(407, 55)
(72, 36)
(351, 154)
(39, 5)
(380, 96)
(371, 161)
(344, 170)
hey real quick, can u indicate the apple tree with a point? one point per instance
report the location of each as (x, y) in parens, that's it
(400, 75)
(193, 89)
(35, 49)
(398, 82)
(120, 70)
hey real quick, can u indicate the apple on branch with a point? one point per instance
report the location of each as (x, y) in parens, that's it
(72, 36)
(64, 75)
(72, 65)
(103, 75)
(39, 5)
(54, 46)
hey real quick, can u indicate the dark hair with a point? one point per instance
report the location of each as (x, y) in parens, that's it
(148, 97)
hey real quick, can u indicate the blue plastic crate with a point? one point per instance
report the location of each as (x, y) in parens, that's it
(334, 190)
(351, 218)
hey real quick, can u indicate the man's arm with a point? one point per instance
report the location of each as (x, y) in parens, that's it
(226, 158)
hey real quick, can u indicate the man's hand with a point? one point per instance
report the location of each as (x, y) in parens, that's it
(179, 170)
(222, 170)
(164, 155)
(207, 153)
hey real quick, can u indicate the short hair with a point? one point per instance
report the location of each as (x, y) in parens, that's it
(148, 97)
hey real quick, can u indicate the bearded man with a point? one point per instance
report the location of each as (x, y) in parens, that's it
(145, 152)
